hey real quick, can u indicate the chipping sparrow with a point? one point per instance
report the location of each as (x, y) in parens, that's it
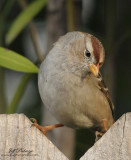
(71, 86)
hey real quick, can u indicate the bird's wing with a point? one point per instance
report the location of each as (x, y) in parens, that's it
(105, 91)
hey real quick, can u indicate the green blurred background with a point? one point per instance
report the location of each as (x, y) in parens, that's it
(109, 20)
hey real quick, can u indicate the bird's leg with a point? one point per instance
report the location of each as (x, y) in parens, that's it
(105, 124)
(44, 129)
(100, 134)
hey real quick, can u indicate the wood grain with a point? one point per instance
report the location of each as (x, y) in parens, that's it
(115, 144)
(20, 141)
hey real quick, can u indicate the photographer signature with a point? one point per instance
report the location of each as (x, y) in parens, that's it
(19, 152)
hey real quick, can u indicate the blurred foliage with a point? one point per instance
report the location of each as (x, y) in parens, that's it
(108, 20)
(18, 94)
(12, 60)
(23, 19)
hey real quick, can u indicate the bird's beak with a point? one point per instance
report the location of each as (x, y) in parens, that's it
(94, 69)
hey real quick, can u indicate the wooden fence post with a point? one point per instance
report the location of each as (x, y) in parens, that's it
(115, 144)
(18, 140)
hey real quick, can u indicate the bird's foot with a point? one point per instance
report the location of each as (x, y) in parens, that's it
(44, 129)
(98, 135)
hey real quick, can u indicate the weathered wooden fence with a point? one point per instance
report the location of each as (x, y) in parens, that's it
(20, 141)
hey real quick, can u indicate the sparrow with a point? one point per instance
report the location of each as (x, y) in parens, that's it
(71, 86)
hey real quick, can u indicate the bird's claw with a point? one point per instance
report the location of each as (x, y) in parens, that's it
(34, 121)
(42, 129)
(98, 135)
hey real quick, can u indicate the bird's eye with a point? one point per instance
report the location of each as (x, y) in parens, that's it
(87, 53)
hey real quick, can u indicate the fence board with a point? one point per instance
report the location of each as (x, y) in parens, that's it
(115, 144)
(20, 141)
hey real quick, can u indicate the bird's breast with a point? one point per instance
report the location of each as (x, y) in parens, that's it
(72, 100)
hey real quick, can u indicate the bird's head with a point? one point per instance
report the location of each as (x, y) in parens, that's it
(83, 52)
(94, 53)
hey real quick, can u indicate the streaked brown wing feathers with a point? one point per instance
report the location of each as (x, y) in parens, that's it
(106, 92)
